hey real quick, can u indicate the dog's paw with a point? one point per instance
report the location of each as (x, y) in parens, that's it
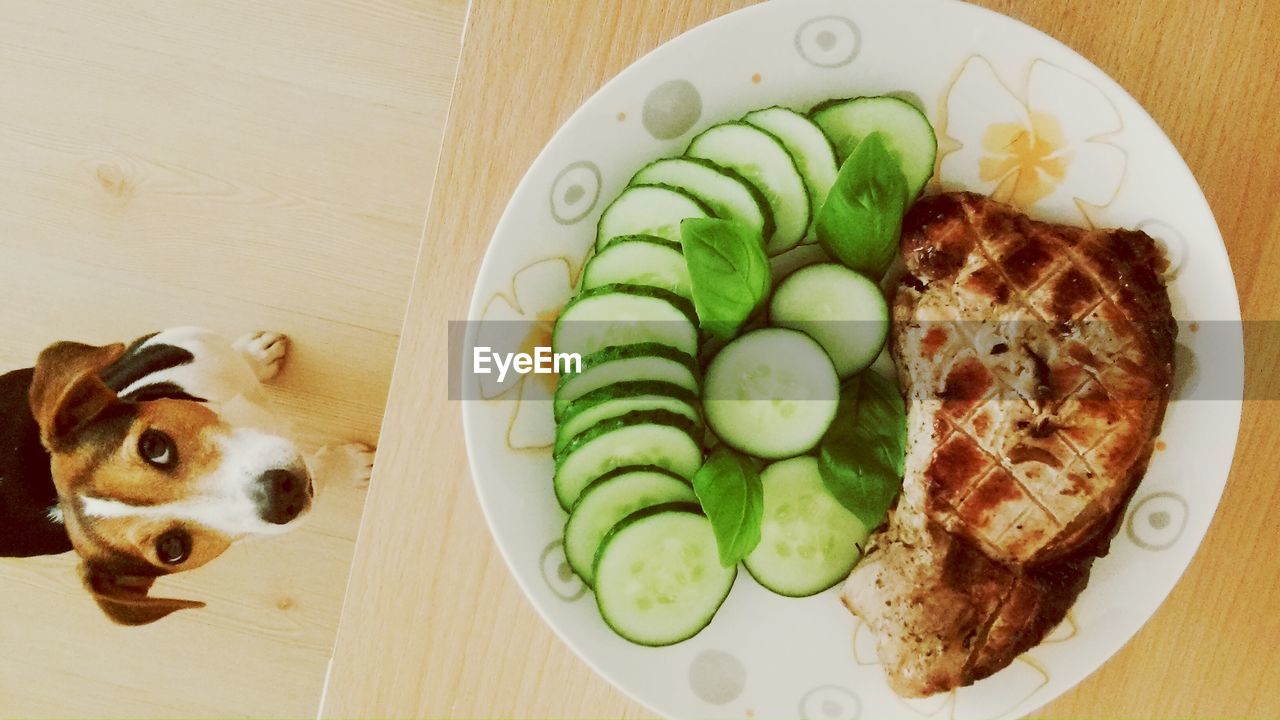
(265, 352)
(349, 464)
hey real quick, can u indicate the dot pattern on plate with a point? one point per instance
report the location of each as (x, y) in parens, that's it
(558, 575)
(1157, 520)
(671, 109)
(830, 41)
(1170, 241)
(717, 677)
(830, 702)
(574, 192)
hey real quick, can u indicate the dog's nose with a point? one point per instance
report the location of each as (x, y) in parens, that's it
(284, 496)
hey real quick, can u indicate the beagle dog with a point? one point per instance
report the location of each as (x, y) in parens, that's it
(148, 460)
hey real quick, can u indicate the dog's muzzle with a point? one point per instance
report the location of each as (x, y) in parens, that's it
(282, 495)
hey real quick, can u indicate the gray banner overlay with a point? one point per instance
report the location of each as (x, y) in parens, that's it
(1207, 356)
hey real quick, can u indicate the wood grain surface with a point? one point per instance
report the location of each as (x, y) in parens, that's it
(434, 625)
(239, 165)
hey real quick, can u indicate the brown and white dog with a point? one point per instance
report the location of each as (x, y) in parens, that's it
(150, 459)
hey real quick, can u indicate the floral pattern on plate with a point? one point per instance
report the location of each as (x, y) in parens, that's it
(1041, 151)
(519, 322)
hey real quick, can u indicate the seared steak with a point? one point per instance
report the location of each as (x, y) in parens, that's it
(1037, 359)
(945, 614)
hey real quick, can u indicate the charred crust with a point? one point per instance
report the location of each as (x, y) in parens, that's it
(1007, 598)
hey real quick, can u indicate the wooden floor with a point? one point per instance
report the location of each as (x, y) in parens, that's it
(240, 165)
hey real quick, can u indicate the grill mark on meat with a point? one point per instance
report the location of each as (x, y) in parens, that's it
(999, 487)
(1024, 268)
(956, 463)
(937, 216)
(1017, 490)
(933, 341)
(1081, 354)
(1093, 407)
(989, 282)
(1030, 453)
(966, 385)
(1026, 265)
(1072, 294)
(1128, 366)
(1153, 306)
(981, 424)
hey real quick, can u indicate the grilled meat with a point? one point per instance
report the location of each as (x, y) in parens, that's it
(1037, 360)
(945, 614)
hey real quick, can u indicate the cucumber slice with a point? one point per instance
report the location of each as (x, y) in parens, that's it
(729, 195)
(844, 311)
(607, 501)
(642, 361)
(640, 260)
(654, 437)
(811, 150)
(625, 397)
(613, 315)
(648, 210)
(808, 540)
(761, 158)
(658, 576)
(771, 393)
(906, 131)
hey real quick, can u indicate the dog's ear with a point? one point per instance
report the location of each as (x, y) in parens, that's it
(124, 597)
(66, 392)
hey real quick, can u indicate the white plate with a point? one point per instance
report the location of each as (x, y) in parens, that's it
(979, 75)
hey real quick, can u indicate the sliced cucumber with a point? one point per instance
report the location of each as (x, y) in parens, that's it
(648, 210)
(844, 311)
(810, 148)
(642, 361)
(808, 540)
(607, 501)
(640, 260)
(658, 575)
(653, 437)
(729, 195)
(771, 393)
(616, 400)
(906, 131)
(613, 315)
(761, 157)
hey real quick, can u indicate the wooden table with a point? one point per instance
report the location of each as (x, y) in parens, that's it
(235, 164)
(434, 625)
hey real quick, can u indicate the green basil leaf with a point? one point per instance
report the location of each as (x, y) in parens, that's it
(863, 454)
(728, 272)
(728, 486)
(861, 220)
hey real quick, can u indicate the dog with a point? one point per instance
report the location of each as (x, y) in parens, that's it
(151, 459)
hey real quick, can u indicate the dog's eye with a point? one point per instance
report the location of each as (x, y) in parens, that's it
(157, 448)
(173, 547)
